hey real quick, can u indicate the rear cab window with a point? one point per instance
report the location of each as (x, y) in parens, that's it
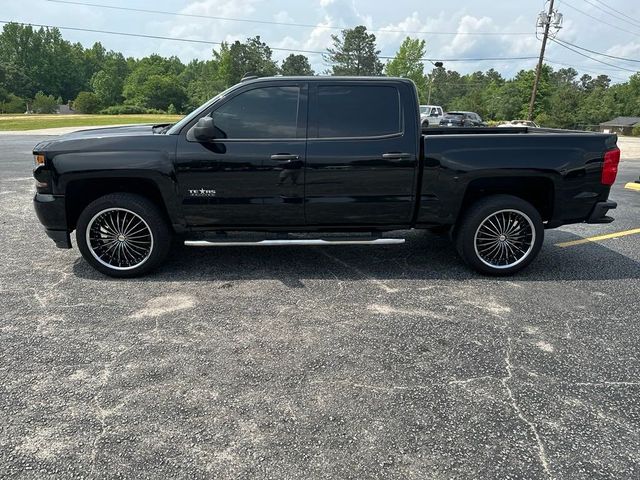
(357, 111)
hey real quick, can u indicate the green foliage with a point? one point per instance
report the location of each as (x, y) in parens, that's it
(408, 64)
(44, 103)
(239, 59)
(128, 110)
(202, 82)
(86, 102)
(154, 83)
(40, 63)
(636, 131)
(354, 52)
(108, 81)
(296, 65)
(171, 110)
(158, 92)
(12, 104)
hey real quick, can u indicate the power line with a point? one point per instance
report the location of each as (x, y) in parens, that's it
(270, 22)
(582, 69)
(599, 20)
(294, 50)
(618, 11)
(559, 42)
(600, 53)
(614, 15)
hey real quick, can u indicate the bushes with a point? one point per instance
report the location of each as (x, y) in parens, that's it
(86, 102)
(128, 110)
(44, 103)
(636, 131)
(13, 104)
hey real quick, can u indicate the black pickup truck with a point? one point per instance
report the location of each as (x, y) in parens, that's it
(317, 161)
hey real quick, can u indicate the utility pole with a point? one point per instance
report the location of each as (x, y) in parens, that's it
(437, 65)
(545, 21)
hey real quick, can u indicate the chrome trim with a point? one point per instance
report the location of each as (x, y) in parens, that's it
(505, 239)
(116, 235)
(271, 243)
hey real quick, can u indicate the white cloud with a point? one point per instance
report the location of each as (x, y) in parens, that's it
(627, 50)
(395, 20)
(283, 17)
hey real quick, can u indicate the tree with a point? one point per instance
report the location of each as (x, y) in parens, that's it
(202, 81)
(108, 82)
(408, 63)
(158, 92)
(13, 104)
(154, 83)
(295, 65)
(239, 59)
(354, 53)
(86, 102)
(44, 103)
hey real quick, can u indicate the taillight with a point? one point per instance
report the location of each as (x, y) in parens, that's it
(610, 167)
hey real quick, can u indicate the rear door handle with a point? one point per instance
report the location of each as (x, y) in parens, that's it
(283, 157)
(396, 156)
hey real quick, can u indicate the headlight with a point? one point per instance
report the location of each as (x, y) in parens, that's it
(38, 160)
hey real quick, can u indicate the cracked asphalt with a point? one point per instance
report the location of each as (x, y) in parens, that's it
(391, 362)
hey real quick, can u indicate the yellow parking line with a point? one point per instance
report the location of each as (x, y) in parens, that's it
(633, 186)
(598, 238)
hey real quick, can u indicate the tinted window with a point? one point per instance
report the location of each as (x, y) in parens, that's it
(267, 112)
(358, 111)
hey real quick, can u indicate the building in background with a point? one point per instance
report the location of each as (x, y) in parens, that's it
(620, 125)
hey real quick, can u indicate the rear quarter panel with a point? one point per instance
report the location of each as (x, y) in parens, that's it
(572, 162)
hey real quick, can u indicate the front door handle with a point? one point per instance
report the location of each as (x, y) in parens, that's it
(283, 157)
(396, 156)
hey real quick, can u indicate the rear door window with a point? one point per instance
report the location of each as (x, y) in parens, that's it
(358, 111)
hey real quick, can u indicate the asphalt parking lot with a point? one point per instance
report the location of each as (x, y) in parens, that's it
(318, 362)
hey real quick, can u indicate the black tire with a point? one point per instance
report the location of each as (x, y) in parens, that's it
(143, 229)
(425, 124)
(516, 247)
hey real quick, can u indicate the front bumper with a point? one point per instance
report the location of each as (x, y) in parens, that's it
(599, 212)
(51, 211)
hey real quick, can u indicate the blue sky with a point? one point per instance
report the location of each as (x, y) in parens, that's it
(392, 19)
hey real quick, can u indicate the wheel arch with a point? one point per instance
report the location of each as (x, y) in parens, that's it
(81, 192)
(539, 191)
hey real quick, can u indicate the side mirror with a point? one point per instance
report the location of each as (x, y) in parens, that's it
(434, 114)
(204, 130)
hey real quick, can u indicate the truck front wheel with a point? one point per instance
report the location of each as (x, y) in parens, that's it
(123, 235)
(499, 235)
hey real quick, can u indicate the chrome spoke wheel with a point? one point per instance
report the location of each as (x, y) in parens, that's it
(119, 238)
(504, 239)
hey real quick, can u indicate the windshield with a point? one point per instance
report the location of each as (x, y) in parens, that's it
(423, 109)
(175, 129)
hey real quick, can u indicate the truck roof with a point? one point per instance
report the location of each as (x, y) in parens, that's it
(327, 78)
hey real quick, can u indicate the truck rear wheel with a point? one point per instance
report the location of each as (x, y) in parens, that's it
(499, 235)
(123, 235)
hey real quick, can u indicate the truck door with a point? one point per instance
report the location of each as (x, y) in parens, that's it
(361, 153)
(251, 173)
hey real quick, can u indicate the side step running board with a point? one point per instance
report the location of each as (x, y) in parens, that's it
(270, 243)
